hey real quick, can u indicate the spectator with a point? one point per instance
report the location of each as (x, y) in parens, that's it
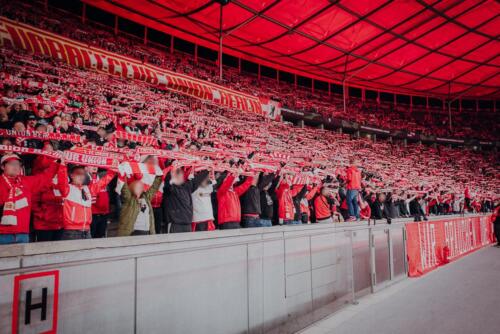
(137, 216)
(177, 200)
(353, 180)
(228, 199)
(16, 192)
(77, 207)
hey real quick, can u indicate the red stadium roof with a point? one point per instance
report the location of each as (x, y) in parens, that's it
(426, 47)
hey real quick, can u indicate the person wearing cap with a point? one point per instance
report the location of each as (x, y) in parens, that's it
(16, 192)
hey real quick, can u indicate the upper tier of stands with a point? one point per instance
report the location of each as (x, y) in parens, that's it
(368, 112)
(50, 96)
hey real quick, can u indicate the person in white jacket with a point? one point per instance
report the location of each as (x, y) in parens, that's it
(203, 213)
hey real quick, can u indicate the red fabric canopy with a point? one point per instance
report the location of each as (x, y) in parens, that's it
(425, 47)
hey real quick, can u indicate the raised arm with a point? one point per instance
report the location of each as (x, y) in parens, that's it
(96, 187)
(242, 188)
(310, 195)
(39, 181)
(126, 194)
(62, 180)
(154, 187)
(225, 185)
(264, 180)
(198, 178)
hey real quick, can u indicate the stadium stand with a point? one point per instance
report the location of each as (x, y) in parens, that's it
(193, 164)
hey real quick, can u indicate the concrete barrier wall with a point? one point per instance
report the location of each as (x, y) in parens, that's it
(277, 279)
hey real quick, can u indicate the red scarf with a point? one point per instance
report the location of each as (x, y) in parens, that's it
(16, 200)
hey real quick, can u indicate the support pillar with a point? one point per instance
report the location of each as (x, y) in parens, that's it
(363, 95)
(295, 81)
(321, 126)
(145, 35)
(220, 43)
(116, 25)
(171, 44)
(411, 103)
(84, 13)
(258, 72)
(196, 53)
(278, 76)
(374, 137)
(301, 123)
(329, 89)
(405, 142)
(239, 65)
(477, 105)
(345, 94)
(312, 86)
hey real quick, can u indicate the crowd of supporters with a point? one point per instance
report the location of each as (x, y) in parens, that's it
(95, 149)
(368, 112)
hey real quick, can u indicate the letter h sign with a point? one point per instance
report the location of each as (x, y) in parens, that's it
(34, 306)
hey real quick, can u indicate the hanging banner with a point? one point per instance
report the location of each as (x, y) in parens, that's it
(37, 41)
(434, 243)
(270, 108)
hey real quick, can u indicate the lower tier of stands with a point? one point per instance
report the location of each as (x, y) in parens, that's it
(269, 280)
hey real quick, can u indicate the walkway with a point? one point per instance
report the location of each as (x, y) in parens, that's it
(462, 297)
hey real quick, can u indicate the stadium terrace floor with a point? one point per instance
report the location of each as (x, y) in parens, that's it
(460, 298)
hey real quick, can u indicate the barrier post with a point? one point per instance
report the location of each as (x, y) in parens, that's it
(373, 274)
(353, 291)
(391, 254)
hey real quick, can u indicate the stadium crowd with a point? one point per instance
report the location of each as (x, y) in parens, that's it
(365, 112)
(82, 149)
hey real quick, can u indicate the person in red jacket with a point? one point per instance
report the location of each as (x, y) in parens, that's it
(47, 212)
(305, 212)
(16, 193)
(100, 207)
(228, 201)
(77, 207)
(286, 207)
(353, 185)
(365, 211)
(324, 206)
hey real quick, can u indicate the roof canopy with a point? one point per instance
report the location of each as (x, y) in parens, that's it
(423, 47)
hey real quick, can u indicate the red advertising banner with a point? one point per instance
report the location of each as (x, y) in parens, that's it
(37, 41)
(434, 243)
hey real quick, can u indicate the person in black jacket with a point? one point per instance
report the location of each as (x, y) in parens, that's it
(380, 209)
(268, 200)
(251, 208)
(416, 210)
(177, 201)
(296, 203)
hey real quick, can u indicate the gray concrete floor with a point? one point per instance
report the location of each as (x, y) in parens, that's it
(462, 297)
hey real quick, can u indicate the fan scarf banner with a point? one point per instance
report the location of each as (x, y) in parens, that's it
(435, 243)
(71, 157)
(34, 40)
